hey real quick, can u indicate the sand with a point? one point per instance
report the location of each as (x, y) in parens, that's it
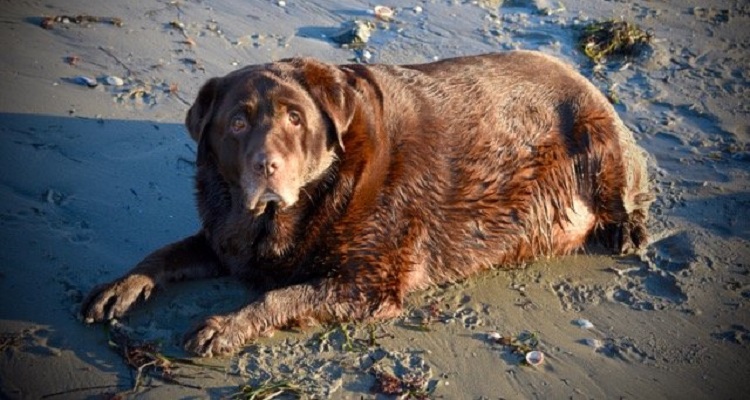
(95, 178)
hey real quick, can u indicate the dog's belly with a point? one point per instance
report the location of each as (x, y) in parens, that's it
(572, 232)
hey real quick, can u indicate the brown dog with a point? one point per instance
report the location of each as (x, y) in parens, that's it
(340, 189)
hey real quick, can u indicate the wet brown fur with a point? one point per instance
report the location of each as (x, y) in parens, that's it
(403, 177)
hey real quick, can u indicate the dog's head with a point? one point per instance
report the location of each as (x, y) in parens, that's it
(272, 129)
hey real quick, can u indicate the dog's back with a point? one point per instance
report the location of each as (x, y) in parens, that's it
(501, 159)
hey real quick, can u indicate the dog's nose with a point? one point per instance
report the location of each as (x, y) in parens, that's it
(266, 165)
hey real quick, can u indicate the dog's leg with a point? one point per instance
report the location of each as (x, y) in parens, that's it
(618, 183)
(323, 301)
(190, 258)
(636, 196)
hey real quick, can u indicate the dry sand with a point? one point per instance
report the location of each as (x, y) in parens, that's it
(91, 183)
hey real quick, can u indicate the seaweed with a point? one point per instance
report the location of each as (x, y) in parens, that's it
(146, 359)
(11, 340)
(409, 386)
(49, 22)
(519, 345)
(600, 40)
(268, 390)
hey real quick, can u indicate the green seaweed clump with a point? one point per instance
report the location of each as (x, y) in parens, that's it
(268, 390)
(602, 39)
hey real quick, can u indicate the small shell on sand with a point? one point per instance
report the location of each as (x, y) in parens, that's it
(114, 81)
(85, 80)
(494, 336)
(584, 323)
(535, 358)
(384, 13)
(595, 343)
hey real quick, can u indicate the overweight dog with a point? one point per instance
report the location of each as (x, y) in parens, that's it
(338, 190)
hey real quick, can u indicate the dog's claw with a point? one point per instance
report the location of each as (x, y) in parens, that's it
(216, 336)
(115, 299)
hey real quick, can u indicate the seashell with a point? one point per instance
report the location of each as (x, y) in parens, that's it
(354, 34)
(85, 80)
(583, 323)
(417, 9)
(595, 343)
(114, 81)
(383, 13)
(494, 336)
(535, 358)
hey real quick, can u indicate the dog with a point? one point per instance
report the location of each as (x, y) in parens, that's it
(337, 190)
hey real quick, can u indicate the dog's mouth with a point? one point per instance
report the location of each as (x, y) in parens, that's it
(271, 197)
(257, 203)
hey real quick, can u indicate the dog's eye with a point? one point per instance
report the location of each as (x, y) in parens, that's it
(238, 124)
(295, 118)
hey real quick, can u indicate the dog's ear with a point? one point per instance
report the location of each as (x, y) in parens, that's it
(200, 113)
(331, 90)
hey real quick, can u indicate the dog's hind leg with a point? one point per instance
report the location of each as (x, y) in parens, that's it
(614, 173)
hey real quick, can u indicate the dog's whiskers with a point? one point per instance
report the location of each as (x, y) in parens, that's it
(307, 194)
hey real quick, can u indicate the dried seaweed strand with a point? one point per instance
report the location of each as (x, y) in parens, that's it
(48, 22)
(76, 390)
(268, 390)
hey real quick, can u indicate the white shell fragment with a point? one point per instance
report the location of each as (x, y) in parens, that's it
(494, 336)
(353, 33)
(114, 81)
(595, 343)
(383, 13)
(624, 271)
(535, 358)
(417, 9)
(584, 323)
(85, 80)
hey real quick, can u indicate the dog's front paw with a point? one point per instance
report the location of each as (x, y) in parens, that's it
(217, 335)
(114, 299)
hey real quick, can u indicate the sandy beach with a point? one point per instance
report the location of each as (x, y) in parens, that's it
(94, 178)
